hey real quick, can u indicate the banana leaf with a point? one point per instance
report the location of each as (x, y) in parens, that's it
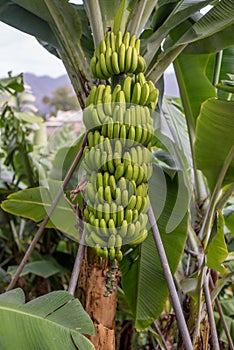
(53, 321)
(143, 281)
(34, 203)
(214, 140)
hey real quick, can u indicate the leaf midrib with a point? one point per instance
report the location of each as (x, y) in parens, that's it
(45, 319)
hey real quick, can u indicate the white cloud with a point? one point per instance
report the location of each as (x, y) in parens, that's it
(20, 53)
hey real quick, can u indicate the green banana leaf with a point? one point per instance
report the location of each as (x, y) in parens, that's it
(194, 84)
(53, 321)
(214, 140)
(217, 249)
(143, 281)
(179, 14)
(179, 130)
(213, 43)
(218, 18)
(214, 22)
(34, 204)
(45, 268)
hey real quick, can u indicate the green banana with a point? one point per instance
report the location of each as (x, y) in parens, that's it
(90, 118)
(127, 89)
(139, 239)
(102, 47)
(106, 212)
(140, 78)
(131, 135)
(132, 40)
(119, 255)
(124, 198)
(99, 73)
(90, 139)
(131, 230)
(128, 58)
(97, 240)
(103, 66)
(136, 94)
(118, 196)
(118, 241)
(122, 184)
(112, 41)
(120, 98)
(112, 253)
(120, 215)
(134, 61)
(122, 52)
(137, 46)
(128, 172)
(124, 228)
(117, 166)
(123, 133)
(118, 41)
(132, 202)
(136, 170)
(145, 93)
(96, 138)
(115, 92)
(111, 226)
(93, 63)
(110, 164)
(108, 57)
(111, 241)
(115, 63)
(138, 132)
(141, 65)
(116, 131)
(128, 215)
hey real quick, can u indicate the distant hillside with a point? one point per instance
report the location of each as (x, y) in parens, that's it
(44, 86)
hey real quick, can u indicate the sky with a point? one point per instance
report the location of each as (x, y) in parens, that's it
(20, 53)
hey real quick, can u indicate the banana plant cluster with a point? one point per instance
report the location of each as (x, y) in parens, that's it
(117, 159)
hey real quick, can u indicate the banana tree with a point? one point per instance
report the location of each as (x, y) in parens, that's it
(192, 182)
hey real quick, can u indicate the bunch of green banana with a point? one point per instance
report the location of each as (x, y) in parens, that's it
(135, 91)
(117, 158)
(117, 54)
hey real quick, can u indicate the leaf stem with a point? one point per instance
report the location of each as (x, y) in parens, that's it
(70, 44)
(217, 67)
(94, 14)
(77, 265)
(222, 318)
(136, 16)
(157, 328)
(47, 218)
(170, 283)
(205, 232)
(214, 336)
(15, 235)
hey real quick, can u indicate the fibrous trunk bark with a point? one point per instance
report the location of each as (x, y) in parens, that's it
(101, 308)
